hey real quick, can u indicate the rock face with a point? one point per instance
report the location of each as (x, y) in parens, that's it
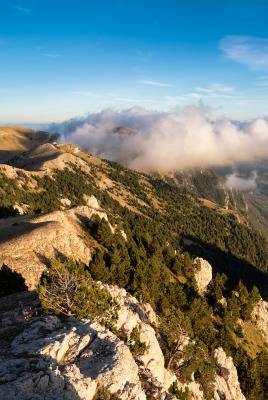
(44, 357)
(68, 359)
(227, 384)
(132, 314)
(203, 274)
(27, 243)
(260, 313)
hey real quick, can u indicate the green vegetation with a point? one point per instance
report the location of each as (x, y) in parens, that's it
(136, 346)
(103, 393)
(155, 264)
(11, 281)
(179, 393)
(67, 289)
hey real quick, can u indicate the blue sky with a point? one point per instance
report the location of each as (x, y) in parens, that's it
(61, 59)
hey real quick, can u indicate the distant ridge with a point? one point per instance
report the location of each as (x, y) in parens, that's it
(15, 140)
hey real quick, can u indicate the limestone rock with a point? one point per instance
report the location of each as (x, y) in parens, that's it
(227, 384)
(260, 313)
(66, 359)
(28, 243)
(133, 314)
(91, 202)
(203, 274)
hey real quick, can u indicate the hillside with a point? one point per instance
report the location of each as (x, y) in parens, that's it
(16, 140)
(142, 232)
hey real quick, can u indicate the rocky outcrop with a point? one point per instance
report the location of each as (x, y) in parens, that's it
(203, 274)
(227, 384)
(260, 313)
(69, 359)
(28, 243)
(132, 314)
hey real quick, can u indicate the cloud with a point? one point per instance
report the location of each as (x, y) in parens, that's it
(235, 181)
(183, 138)
(207, 95)
(52, 55)
(248, 50)
(206, 90)
(220, 87)
(153, 83)
(216, 88)
(23, 10)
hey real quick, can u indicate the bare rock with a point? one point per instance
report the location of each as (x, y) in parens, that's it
(28, 243)
(67, 359)
(203, 274)
(133, 314)
(260, 313)
(227, 384)
(91, 202)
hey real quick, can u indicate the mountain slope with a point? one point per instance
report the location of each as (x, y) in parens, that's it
(142, 232)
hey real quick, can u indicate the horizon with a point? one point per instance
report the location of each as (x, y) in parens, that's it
(61, 61)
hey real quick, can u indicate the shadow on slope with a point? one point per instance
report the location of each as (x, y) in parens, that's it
(34, 159)
(17, 229)
(235, 268)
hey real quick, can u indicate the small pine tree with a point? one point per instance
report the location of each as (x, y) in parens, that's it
(68, 289)
(97, 267)
(11, 281)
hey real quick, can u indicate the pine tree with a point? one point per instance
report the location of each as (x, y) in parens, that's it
(68, 289)
(11, 281)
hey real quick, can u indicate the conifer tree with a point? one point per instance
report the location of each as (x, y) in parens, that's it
(68, 289)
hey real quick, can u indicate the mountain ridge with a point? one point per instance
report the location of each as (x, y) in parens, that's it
(142, 233)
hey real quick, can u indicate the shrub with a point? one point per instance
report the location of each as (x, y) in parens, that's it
(68, 289)
(11, 281)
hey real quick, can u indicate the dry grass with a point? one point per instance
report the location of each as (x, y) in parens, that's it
(123, 203)
(15, 140)
(252, 340)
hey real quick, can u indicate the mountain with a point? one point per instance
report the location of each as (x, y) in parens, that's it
(148, 234)
(16, 140)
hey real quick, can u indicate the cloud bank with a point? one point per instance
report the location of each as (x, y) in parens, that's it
(177, 140)
(235, 181)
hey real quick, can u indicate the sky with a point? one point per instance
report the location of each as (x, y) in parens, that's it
(63, 59)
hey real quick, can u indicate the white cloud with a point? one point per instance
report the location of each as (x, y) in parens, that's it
(215, 88)
(221, 87)
(154, 83)
(234, 180)
(206, 90)
(247, 50)
(52, 55)
(183, 138)
(207, 95)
